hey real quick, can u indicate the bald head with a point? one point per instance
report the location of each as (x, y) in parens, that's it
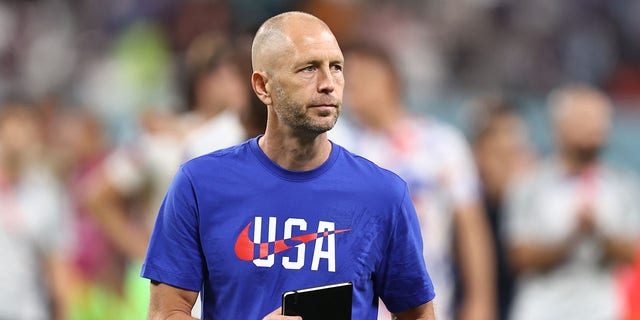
(575, 101)
(582, 119)
(276, 37)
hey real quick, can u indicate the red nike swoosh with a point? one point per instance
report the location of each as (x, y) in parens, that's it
(245, 247)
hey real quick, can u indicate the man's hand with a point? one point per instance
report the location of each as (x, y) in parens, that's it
(277, 315)
(586, 221)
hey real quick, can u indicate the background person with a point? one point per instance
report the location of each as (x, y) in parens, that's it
(99, 284)
(573, 219)
(34, 224)
(124, 195)
(436, 162)
(502, 152)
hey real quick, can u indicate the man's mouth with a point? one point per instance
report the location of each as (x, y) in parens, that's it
(324, 105)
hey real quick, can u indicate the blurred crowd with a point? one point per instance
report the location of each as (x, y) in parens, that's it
(100, 102)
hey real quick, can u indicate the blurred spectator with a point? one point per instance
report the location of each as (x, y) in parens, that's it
(573, 219)
(121, 197)
(131, 74)
(254, 117)
(126, 61)
(98, 288)
(33, 222)
(502, 152)
(217, 93)
(435, 161)
(126, 194)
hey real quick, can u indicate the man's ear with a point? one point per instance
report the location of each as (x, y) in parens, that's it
(259, 83)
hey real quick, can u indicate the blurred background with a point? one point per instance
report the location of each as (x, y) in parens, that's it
(100, 101)
(119, 58)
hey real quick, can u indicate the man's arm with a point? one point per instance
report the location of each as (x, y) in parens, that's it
(476, 263)
(529, 256)
(422, 312)
(170, 303)
(621, 246)
(57, 275)
(107, 205)
(535, 257)
(618, 249)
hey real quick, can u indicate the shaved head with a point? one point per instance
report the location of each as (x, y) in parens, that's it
(582, 119)
(573, 101)
(274, 39)
(297, 74)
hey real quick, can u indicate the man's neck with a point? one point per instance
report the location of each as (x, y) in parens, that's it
(575, 166)
(11, 167)
(294, 152)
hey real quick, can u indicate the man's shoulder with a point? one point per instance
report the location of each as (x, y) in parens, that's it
(221, 157)
(620, 176)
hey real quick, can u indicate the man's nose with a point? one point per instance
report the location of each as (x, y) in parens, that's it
(326, 81)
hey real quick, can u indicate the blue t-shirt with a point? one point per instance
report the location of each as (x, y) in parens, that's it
(242, 229)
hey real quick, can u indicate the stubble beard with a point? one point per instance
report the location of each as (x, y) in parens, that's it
(295, 115)
(585, 155)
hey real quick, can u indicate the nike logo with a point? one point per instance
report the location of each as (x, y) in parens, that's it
(245, 248)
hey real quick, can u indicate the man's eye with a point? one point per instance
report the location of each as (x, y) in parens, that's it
(309, 69)
(337, 67)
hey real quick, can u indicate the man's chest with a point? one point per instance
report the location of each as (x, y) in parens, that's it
(292, 237)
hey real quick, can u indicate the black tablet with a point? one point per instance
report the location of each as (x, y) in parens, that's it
(319, 303)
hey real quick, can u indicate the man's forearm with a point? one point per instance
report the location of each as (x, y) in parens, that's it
(170, 303)
(619, 250)
(476, 259)
(534, 257)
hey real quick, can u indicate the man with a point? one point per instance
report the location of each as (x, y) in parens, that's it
(436, 162)
(101, 278)
(34, 224)
(573, 220)
(127, 189)
(289, 209)
(217, 95)
(502, 152)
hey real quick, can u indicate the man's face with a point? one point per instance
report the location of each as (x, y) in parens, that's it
(307, 85)
(370, 89)
(584, 131)
(19, 133)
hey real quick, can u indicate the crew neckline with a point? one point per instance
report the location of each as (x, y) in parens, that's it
(293, 175)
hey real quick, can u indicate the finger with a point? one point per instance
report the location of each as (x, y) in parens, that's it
(276, 312)
(277, 315)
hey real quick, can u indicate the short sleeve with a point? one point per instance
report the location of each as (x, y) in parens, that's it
(402, 280)
(174, 255)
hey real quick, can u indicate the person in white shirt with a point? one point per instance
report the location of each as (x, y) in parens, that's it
(436, 162)
(140, 173)
(34, 222)
(572, 220)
